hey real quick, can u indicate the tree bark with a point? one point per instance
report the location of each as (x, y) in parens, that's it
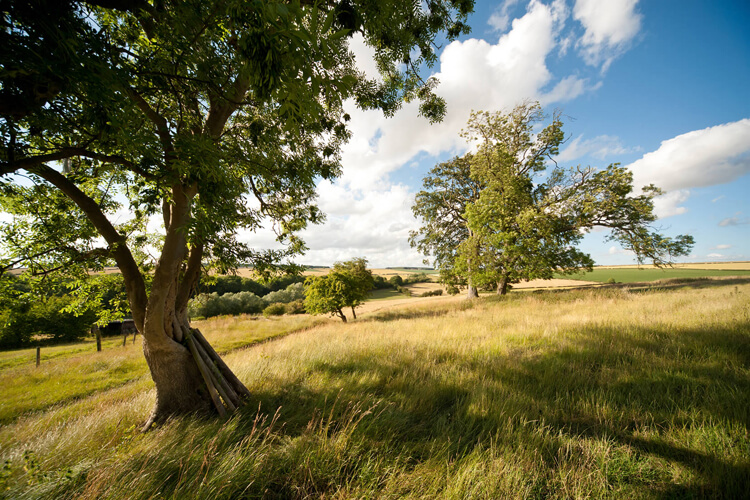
(472, 292)
(354, 314)
(341, 315)
(179, 385)
(502, 286)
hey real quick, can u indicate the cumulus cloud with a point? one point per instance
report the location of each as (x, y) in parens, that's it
(609, 29)
(668, 204)
(714, 155)
(474, 75)
(375, 225)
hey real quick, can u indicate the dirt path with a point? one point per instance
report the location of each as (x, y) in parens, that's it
(418, 288)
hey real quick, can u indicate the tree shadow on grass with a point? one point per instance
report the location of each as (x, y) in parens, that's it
(650, 387)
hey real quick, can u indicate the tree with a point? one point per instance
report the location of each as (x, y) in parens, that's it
(215, 115)
(347, 285)
(360, 280)
(518, 229)
(448, 190)
(328, 294)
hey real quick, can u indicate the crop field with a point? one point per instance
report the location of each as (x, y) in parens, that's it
(632, 274)
(606, 392)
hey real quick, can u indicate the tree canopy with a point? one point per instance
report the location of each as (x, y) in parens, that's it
(214, 116)
(510, 217)
(347, 285)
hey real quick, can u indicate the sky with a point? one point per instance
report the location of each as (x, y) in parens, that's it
(659, 86)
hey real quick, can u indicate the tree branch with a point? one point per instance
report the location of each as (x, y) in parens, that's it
(117, 242)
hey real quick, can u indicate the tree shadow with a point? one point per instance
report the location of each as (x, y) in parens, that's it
(652, 381)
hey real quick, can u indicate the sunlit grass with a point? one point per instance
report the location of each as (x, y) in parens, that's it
(76, 371)
(602, 393)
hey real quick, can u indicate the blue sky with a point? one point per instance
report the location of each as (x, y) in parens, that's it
(659, 86)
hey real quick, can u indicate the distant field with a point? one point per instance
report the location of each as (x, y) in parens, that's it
(632, 274)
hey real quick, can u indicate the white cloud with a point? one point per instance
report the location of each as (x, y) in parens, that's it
(500, 18)
(668, 204)
(599, 147)
(734, 221)
(609, 29)
(376, 225)
(715, 255)
(722, 247)
(474, 75)
(706, 157)
(614, 250)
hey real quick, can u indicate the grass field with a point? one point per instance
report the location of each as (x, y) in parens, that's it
(634, 274)
(601, 393)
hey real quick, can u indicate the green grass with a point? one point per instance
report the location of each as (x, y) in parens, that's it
(76, 370)
(385, 294)
(632, 275)
(599, 393)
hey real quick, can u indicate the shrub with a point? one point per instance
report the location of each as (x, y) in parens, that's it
(396, 281)
(417, 278)
(295, 291)
(611, 281)
(403, 290)
(432, 293)
(296, 307)
(380, 282)
(276, 309)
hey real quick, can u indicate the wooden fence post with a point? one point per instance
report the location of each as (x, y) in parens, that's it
(38, 356)
(98, 334)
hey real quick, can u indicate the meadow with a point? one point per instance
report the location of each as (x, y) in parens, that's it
(607, 392)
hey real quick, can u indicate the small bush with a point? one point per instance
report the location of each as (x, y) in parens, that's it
(403, 290)
(276, 309)
(432, 293)
(296, 307)
(611, 281)
(396, 281)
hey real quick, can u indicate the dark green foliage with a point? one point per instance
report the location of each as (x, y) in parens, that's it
(396, 280)
(416, 278)
(45, 321)
(432, 293)
(295, 307)
(379, 283)
(276, 309)
(208, 305)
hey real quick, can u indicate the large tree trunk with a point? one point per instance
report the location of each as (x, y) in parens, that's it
(180, 388)
(189, 375)
(502, 286)
(472, 292)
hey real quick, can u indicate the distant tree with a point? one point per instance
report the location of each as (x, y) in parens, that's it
(514, 227)
(447, 191)
(328, 294)
(360, 280)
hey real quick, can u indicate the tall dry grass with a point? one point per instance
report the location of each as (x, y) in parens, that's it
(604, 393)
